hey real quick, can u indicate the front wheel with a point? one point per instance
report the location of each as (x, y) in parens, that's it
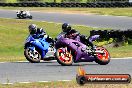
(102, 58)
(32, 56)
(64, 56)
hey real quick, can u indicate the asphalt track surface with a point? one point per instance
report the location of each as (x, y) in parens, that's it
(52, 71)
(80, 19)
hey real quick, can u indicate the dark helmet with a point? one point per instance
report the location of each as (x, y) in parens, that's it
(21, 11)
(66, 27)
(32, 28)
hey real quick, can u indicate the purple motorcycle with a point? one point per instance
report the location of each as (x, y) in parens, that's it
(69, 51)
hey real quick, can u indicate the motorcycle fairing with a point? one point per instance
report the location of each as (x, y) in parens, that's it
(77, 47)
(41, 44)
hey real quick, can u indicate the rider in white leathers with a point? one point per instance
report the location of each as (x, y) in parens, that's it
(25, 13)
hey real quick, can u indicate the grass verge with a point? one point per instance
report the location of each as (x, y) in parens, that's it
(99, 11)
(13, 33)
(60, 84)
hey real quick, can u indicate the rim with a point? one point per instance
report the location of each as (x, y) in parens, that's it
(64, 56)
(33, 54)
(105, 56)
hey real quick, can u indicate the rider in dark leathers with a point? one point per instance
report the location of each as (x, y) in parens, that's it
(39, 33)
(72, 33)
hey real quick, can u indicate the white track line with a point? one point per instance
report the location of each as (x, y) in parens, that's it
(37, 81)
(7, 83)
(27, 61)
(123, 58)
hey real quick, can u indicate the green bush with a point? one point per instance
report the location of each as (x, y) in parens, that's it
(47, 0)
(57, 1)
(130, 41)
(11, 1)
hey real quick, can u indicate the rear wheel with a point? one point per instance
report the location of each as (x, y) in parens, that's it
(64, 56)
(102, 58)
(32, 56)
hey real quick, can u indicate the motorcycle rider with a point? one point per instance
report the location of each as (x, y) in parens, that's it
(39, 33)
(21, 12)
(72, 33)
(18, 12)
(28, 13)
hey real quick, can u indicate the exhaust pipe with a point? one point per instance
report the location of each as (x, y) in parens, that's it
(99, 51)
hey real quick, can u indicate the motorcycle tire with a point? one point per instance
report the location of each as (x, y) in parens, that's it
(30, 58)
(30, 17)
(63, 58)
(102, 59)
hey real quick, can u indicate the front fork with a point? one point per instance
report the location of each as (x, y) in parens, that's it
(65, 50)
(32, 48)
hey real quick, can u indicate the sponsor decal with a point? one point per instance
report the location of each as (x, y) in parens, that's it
(83, 78)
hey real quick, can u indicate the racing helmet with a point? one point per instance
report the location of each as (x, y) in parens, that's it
(66, 27)
(32, 28)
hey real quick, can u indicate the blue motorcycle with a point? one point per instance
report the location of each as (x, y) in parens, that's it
(38, 49)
